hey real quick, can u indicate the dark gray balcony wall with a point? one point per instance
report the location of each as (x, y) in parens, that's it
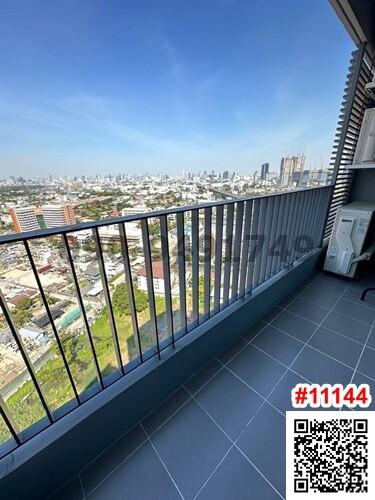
(363, 186)
(38, 467)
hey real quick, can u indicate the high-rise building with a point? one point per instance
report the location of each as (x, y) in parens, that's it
(291, 170)
(264, 171)
(31, 218)
(58, 215)
(24, 219)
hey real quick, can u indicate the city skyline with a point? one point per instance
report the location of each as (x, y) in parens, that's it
(142, 88)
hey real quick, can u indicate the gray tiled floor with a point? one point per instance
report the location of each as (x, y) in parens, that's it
(221, 435)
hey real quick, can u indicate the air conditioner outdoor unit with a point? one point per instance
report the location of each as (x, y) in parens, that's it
(352, 239)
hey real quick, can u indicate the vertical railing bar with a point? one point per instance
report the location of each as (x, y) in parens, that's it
(245, 247)
(330, 195)
(299, 224)
(228, 252)
(261, 230)
(195, 264)
(279, 215)
(82, 307)
(267, 234)
(284, 232)
(287, 230)
(314, 222)
(301, 213)
(237, 249)
(218, 256)
(129, 284)
(310, 220)
(207, 260)
(315, 209)
(306, 223)
(304, 217)
(272, 238)
(326, 199)
(325, 194)
(50, 319)
(107, 298)
(295, 216)
(307, 228)
(150, 281)
(181, 268)
(9, 421)
(167, 276)
(25, 356)
(252, 257)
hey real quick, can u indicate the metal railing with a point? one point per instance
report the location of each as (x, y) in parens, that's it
(172, 270)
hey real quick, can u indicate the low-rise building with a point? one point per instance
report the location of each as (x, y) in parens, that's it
(157, 275)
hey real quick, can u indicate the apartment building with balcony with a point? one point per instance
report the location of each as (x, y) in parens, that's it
(58, 215)
(32, 218)
(191, 403)
(24, 219)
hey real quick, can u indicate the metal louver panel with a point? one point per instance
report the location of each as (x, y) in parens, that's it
(349, 125)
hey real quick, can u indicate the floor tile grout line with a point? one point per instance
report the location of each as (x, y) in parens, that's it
(62, 486)
(228, 451)
(233, 444)
(284, 365)
(323, 326)
(140, 423)
(368, 308)
(294, 360)
(252, 388)
(305, 344)
(360, 303)
(91, 462)
(361, 354)
(116, 468)
(333, 310)
(82, 488)
(163, 463)
(314, 323)
(143, 441)
(301, 342)
(318, 326)
(266, 324)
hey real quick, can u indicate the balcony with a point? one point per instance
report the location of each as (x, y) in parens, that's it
(202, 267)
(171, 360)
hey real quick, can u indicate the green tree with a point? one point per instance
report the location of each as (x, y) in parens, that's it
(120, 299)
(88, 246)
(22, 312)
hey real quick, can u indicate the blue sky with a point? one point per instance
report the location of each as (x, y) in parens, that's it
(90, 86)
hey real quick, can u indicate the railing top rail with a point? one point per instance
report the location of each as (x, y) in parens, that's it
(56, 231)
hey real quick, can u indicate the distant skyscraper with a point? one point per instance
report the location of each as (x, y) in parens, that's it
(291, 169)
(225, 174)
(264, 171)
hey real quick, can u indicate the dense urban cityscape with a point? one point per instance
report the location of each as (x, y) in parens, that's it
(32, 204)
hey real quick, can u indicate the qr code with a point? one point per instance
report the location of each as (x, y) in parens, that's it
(330, 453)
